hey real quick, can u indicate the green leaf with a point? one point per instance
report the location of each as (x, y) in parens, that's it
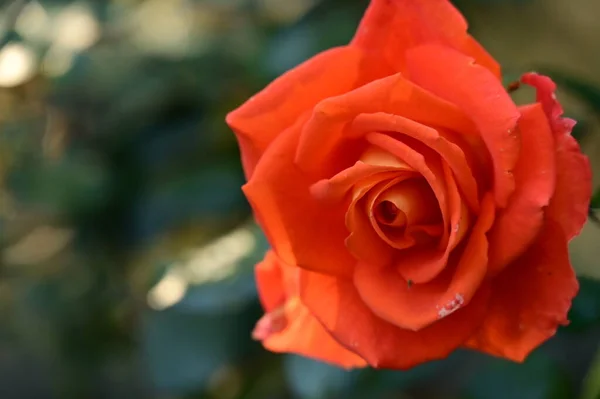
(310, 379)
(183, 350)
(585, 311)
(591, 384)
(583, 89)
(595, 203)
(537, 378)
(221, 285)
(76, 183)
(207, 194)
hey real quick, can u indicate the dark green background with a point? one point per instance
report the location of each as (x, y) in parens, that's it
(117, 168)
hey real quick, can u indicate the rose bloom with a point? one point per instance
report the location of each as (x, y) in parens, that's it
(412, 207)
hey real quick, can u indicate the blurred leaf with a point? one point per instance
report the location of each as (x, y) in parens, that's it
(234, 284)
(594, 207)
(591, 384)
(289, 49)
(381, 383)
(183, 351)
(310, 379)
(537, 378)
(583, 89)
(207, 194)
(313, 34)
(585, 311)
(595, 203)
(74, 184)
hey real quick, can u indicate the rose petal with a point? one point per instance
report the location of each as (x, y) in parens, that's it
(569, 206)
(263, 117)
(269, 281)
(535, 175)
(389, 28)
(416, 306)
(366, 240)
(530, 298)
(450, 152)
(304, 335)
(302, 230)
(423, 161)
(423, 265)
(327, 133)
(288, 326)
(456, 78)
(414, 199)
(335, 189)
(545, 95)
(337, 305)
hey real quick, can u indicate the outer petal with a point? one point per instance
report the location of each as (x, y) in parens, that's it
(270, 282)
(571, 201)
(301, 229)
(263, 117)
(337, 305)
(329, 125)
(454, 77)
(546, 96)
(569, 206)
(304, 335)
(288, 326)
(535, 176)
(530, 298)
(390, 27)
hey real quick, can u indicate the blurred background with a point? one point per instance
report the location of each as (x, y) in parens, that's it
(126, 246)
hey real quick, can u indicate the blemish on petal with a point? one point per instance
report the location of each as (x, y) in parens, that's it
(271, 323)
(451, 307)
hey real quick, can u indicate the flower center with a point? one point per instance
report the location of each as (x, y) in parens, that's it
(388, 213)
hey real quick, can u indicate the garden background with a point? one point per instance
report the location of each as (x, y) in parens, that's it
(126, 245)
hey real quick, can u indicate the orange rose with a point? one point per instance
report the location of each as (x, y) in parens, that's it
(412, 207)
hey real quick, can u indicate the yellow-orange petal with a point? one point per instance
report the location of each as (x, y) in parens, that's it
(423, 161)
(336, 188)
(423, 265)
(364, 241)
(448, 151)
(411, 198)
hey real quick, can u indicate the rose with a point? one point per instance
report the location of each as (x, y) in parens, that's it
(411, 206)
